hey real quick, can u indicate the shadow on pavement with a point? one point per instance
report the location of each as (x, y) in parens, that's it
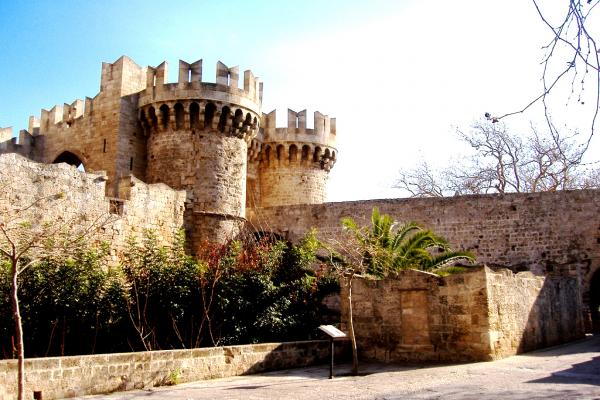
(583, 373)
(584, 345)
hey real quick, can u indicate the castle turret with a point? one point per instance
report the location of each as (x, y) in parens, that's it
(197, 139)
(291, 165)
(201, 137)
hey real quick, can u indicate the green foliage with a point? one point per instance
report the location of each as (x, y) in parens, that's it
(245, 291)
(69, 305)
(387, 248)
(174, 378)
(273, 293)
(162, 293)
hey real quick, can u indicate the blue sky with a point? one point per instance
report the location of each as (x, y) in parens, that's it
(399, 76)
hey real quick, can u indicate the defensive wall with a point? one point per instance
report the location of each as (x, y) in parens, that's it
(479, 315)
(73, 376)
(140, 207)
(546, 233)
(210, 139)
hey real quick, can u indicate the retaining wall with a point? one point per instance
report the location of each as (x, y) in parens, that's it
(63, 377)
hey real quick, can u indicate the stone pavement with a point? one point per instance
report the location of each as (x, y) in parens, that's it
(569, 371)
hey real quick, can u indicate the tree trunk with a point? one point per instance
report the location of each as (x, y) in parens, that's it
(14, 298)
(351, 330)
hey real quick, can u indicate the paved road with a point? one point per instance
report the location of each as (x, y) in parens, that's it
(565, 372)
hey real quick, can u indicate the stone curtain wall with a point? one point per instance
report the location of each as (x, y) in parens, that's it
(24, 182)
(61, 377)
(478, 315)
(155, 207)
(544, 232)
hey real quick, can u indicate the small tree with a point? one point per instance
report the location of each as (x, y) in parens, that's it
(384, 248)
(33, 229)
(348, 267)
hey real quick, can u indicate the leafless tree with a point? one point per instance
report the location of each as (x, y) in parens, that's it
(421, 181)
(503, 162)
(571, 55)
(33, 228)
(344, 255)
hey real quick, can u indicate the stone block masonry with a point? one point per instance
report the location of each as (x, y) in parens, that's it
(547, 233)
(480, 315)
(63, 377)
(141, 207)
(209, 139)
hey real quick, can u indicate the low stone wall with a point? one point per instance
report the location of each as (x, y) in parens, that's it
(60, 377)
(527, 312)
(477, 315)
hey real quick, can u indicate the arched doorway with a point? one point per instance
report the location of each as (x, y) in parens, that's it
(71, 159)
(595, 301)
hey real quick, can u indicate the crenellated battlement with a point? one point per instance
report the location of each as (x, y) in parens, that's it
(191, 86)
(6, 134)
(10, 144)
(66, 113)
(63, 115)
(295, 144)
(324, 127)
(210, 139)
(323, 133)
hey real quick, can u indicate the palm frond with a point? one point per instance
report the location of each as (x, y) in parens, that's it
(403, 232)
(387, 247)
(446, 258)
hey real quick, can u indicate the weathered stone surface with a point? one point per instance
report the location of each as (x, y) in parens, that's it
(154, 207)
(547, 233)
(61, 377)
(201, 137)
(477, 315)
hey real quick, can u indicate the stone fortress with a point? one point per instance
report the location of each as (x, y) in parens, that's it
(210, 139)
(202, 156)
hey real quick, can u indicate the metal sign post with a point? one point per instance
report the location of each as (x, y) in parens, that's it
(333, 333)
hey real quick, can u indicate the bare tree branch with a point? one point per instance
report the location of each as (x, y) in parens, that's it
(572, 50)
(504, 162)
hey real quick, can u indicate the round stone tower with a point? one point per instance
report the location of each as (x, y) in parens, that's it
(197, 140)
(291, 165)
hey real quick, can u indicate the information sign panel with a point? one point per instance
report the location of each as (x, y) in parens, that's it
(332, 331)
